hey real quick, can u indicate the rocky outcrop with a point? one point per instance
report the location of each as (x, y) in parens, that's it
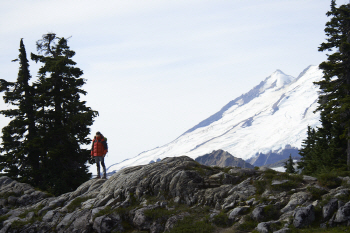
(177, 193)
(222, 159)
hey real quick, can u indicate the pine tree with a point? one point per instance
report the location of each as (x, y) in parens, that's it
(308, 159)
(19, 154)
(289, 165)
(63, 118)
(334, 102)
(323, 149)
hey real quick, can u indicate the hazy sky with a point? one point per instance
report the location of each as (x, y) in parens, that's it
(155, 68)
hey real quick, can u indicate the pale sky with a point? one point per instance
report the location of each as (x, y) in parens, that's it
(156, 68)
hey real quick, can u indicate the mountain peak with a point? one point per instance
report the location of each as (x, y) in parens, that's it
(276, 80)
(279, 71)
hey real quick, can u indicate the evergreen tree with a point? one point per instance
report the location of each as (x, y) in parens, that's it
(19, 154)
(49, 124)
(334, 102)
(63, 118)
(328, 147)
(289, 165)
(308, 159)
(323, 150)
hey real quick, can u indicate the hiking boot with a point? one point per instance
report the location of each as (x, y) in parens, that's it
(97, 177)
(104, 176)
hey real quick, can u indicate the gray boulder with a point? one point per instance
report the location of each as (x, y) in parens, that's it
(105, 224)
(141, 221)
(295, 200)
(304, 216)
(329, 209)
(343, 214)
(265, 227)
(258, 213)
(237, 211)
(171, 222)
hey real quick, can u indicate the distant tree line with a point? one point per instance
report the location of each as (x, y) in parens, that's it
(327, 147)
(49, 123)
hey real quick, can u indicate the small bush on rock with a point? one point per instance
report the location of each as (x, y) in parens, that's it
(76, 203)
(189, 225)
(221, 220)
(270, 174)
(104, 211)
(316, 192)
(329, 180)
(271, 212)
(4, 217)
(260, 186)
(248, 225)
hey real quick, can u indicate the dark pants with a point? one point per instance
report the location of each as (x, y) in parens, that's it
(98, 160)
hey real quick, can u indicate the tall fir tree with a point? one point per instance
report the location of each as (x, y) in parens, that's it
(63, 118)
(334, 102)
(42, 144)
(19, 152)
(328, 147)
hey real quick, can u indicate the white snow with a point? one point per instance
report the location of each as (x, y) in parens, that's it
(278, 116)
(279, 169)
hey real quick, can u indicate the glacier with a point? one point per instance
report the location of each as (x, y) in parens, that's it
(272, 115)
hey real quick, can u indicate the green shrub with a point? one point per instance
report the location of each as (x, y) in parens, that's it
(8, 194)
(271, 212)
(17, 224)
(248, 225)
(20, 224)
(104, 211)
(221, 220)
(4, 217)
(344, 197)
(270, 174)
(276, 226)
(329, 180)
(190, 225)
(227, 169)
(316, 193)
(264, 200)
(287, 176)
(260, 186)
(24, 214)
(32, 220)
(158, 213)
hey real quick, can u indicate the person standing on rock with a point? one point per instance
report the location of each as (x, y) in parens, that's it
(99, 150)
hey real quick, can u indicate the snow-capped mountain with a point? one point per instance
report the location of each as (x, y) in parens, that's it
(271, 116)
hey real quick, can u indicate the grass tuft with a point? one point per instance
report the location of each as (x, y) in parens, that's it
(76, 203)
(189, 225)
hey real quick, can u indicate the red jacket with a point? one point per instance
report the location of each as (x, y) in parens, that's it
(99, 147)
